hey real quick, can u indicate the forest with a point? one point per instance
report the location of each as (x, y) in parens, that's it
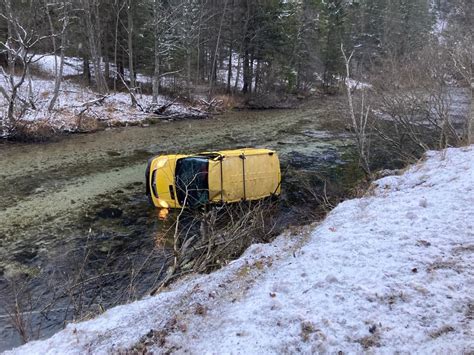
(266, 48)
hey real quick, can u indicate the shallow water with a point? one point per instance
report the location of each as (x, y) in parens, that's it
(77, 205)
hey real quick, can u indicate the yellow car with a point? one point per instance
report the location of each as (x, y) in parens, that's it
(227, 176)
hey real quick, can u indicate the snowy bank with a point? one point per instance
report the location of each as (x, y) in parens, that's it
(78, 105)
(389, 272)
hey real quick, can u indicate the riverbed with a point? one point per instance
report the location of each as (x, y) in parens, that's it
(74, 209)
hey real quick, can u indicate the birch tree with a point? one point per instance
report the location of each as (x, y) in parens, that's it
(359, 120)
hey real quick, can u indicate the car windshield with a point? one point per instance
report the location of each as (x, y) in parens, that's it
(192, 185)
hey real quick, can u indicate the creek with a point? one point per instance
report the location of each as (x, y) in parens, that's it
(74, 215)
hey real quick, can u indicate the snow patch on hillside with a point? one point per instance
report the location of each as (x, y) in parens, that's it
(389, 272)
(47, 64)
(356, 84)
(74, 66)
(76, 101)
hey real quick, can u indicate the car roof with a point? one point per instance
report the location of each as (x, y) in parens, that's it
(240, 151)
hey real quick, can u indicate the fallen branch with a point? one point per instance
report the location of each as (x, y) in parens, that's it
(130, 90)
(87, 105)
(159, 109)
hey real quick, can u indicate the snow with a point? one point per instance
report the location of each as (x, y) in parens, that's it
(74, 98)
(391, 272)
(236, 62)
(46, 63)
(356, 84)
(73, 66)
(440, 26)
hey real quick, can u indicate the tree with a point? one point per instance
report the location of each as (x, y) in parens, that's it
(20, 47)
(92, 20)
(359, 121)
(131, 68)
(334, 16)
(64, 8)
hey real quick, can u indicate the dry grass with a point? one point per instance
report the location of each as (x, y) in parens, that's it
(228, 102)
(369, 341)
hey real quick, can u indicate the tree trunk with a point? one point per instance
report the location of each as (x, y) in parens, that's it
(214, 59)
(257, 76)
(231, 48)
(237, 74)
(188, 69)
(10, 57)
(31, 96)
(199, 51)
(246, 87)
(130, 53)
(156, 70)
(116, 35)
(229, 68)
(250, 88)
(245, 46)
(358, 125)
(58, 71)
(106, 67)
(86, 70)
(101, 85)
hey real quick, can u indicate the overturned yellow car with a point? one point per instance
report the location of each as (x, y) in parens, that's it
(219, 177)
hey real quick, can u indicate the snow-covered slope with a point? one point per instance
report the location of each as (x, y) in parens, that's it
(390, 272)
(77, 101)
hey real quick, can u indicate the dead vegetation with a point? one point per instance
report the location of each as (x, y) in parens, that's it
(370, 341)
(408, 108)
(206, 240)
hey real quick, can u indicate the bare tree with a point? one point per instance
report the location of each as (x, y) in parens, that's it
(20, 48)
(214, 61)
(118, 8)
(462, 57)
(131, 69)
(358, 121)
(157, 36)
(91, 15)
(58, 68)
(413, 101)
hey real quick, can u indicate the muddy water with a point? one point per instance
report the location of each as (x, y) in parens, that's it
(75, 206)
